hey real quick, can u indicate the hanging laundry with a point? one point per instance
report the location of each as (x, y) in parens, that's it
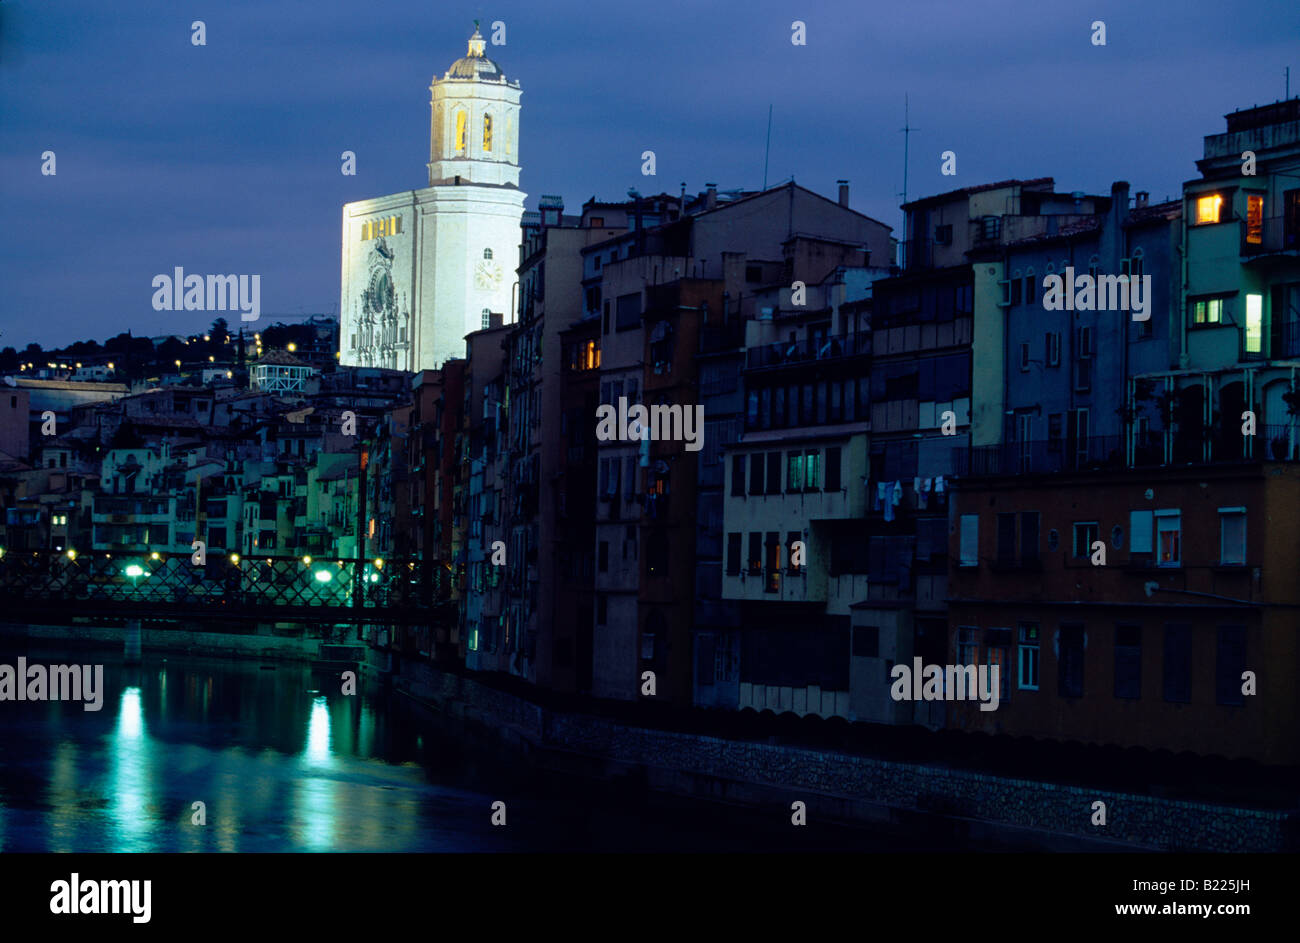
(921, 486)
(878, 501)
(938, 484)
(888, 497)
(897, 493)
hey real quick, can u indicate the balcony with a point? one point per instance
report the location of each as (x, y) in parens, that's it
(1040, 457)
(809, 350)
(1273, 237)
(1286, 343)
(1275, 443)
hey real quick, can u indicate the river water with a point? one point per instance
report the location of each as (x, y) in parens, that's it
(284, 762)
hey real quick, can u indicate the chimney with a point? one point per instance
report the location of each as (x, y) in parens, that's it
(1119, 199)
(494, 319)
(710, 196)
(1143, 198)
(844, 192)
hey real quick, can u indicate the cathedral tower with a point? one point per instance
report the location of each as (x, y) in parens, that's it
(423, 268)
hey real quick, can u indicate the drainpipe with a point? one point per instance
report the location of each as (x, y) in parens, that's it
(1207, 411)
(1182, 294)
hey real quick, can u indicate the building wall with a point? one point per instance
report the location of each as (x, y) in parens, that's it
(1064, 591)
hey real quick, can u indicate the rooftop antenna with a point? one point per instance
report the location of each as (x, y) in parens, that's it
(768, 149)
(1288, 83)
(907, 130)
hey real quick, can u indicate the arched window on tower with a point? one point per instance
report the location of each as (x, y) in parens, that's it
(487, 134)
(462, 129)
(487, 253)
(487, 318)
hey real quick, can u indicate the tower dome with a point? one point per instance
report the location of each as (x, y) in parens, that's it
(475, 65)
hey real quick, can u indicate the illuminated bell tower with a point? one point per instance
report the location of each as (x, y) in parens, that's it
(474, 130)
(423, 268)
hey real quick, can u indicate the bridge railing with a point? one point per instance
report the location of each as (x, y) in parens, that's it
(223, 581)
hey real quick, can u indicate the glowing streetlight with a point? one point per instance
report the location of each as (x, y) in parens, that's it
(379, 563)
(155, 555)
(72, 554)
(234, 558)
(292, 347)
(110, 365)
(306, 561)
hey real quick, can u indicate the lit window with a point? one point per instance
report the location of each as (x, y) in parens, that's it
(794, 474)
(1169, 533)
(462, 123)
(1255, 219)
(1208, 209)
(487, 134)
(1232, 536)
(1208, 311)
(1254, 323)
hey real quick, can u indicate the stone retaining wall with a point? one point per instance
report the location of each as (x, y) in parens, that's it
(857, 788)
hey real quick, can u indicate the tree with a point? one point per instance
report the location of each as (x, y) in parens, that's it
(219, 331)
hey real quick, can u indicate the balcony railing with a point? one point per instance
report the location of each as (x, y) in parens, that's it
(1271, 237)
(1274, 443)
(1288, 341)
(809, 350)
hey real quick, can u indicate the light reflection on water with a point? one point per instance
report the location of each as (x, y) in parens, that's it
(131, 784)
(279, 765)
(283, 761)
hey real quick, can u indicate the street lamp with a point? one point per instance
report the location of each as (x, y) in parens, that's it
(135, 571)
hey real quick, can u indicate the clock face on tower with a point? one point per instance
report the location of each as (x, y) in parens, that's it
(487, 275)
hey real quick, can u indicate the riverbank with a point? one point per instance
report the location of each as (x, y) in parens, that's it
(963, 805)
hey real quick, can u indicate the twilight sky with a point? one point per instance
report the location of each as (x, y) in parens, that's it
(225, 158)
